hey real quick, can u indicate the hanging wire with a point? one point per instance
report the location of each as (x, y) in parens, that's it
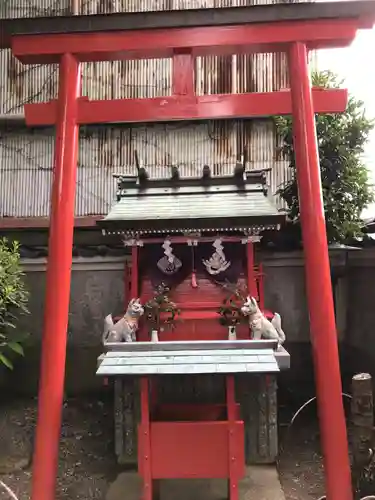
(296, 414)
(285, 438)
(11, 494)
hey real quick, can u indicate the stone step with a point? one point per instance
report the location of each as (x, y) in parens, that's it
(260, 483)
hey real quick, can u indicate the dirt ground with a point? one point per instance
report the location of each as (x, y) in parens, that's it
(300, 462)
(87, 462)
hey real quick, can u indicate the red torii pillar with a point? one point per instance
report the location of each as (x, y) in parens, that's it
(318, 282)
(68, 112)
(59, 264)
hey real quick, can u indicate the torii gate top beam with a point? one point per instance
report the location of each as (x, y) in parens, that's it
(202, 31)
(182, 36)
(362, 10)
(197, 41)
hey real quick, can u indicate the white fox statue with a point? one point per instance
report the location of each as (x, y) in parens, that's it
(261, 327)
(125, 329)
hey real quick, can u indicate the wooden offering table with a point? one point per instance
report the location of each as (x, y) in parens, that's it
(190, 440)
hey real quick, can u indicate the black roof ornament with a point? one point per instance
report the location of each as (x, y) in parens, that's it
(142, 172)
(240, 167)
(175, 173)
(206, 172)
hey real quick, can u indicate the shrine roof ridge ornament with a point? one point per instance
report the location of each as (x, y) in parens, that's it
(254, 180)
(192, 18)
(225, 204)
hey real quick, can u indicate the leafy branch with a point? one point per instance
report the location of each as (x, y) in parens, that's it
(345, 178)
(160, 310)
(230, 310)
(13, 301)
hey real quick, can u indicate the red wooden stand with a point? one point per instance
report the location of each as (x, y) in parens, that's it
(191, 441)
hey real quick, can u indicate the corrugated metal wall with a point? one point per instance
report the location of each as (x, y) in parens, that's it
(26, 158)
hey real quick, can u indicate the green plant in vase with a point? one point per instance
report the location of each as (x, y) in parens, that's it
(230, 310)
(160, 311)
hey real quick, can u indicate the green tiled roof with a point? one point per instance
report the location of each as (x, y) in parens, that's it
(192, 206)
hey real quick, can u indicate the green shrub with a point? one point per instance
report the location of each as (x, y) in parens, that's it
(345, 181)
(13, 301)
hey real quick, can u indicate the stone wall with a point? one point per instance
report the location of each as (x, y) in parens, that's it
(360, 331)
(98, 289)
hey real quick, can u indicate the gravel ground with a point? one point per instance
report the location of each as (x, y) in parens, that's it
(87, 462)
(300, 463)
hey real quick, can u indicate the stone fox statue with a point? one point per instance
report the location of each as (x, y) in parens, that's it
(125, 329)
(260, 325)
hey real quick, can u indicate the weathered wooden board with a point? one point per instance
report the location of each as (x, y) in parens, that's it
(187, 362)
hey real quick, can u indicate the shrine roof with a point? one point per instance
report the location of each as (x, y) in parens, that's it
(191, 18)
(218, 204)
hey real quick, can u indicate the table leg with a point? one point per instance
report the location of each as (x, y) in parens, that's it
(146, 444)
(231, 416)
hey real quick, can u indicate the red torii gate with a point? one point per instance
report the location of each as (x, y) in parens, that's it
(183, 35)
